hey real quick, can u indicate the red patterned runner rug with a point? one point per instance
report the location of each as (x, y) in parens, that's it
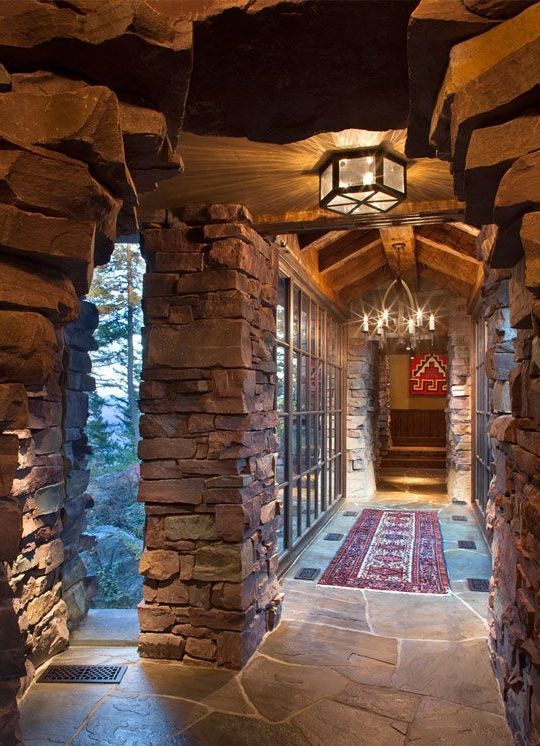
(391, 550)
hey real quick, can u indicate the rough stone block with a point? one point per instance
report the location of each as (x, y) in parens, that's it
(27, 347)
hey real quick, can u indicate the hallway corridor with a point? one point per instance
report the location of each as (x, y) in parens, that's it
(393, 668)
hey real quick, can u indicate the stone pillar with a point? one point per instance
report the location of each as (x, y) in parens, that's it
(208, 439)
(362, 415)
(77, 381)
(385, 435)
(458, 412)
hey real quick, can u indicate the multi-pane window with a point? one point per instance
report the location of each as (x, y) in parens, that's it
(308, 401)
(482, 412)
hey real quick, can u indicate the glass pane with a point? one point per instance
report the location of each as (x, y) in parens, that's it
(304, 455)
(281, 311)
(313, 328)
(295, 436)
(304, 383)
(326, 181)
(282, 449)
(296, 317)
(281, 379)
(344, 208)
(357, 171)
(361, 209)
(281, 539)
(394, 175)
(304, 322)
(294, 381)
(304, 504)
(294, 510)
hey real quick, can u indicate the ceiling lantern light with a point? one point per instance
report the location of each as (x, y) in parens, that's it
(363, 181)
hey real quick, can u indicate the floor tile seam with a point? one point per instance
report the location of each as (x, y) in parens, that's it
(367, 613)
(332, 666)
(478, 708)
(482, 619)
(296, 713)
(346, 629)
(91, 714)
(245, 695)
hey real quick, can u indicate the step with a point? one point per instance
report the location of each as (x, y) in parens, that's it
(405, 463)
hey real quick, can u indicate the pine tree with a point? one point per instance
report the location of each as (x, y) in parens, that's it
(116, 291)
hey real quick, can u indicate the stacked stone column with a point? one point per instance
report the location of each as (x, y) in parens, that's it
(208, 439)
(484, 119)
(458, 420)
(362, 415)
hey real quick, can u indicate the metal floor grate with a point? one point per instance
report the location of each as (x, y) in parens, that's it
(307, 573)
(350, 513)
(460, 518)
(466, 544)
(83, 675)
(459, 502)
(333, 537)
(480, 585)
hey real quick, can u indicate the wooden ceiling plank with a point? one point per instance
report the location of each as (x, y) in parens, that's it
(370, 282)
(448, 250)
(327, 239)
(454, 266)
(399, 248)
(450, 282)
(358, 267)
(450, 236)
(348, 247)
(407, 213)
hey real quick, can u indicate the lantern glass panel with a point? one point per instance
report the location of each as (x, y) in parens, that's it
(357, 172)
(393, 175)
(362, 209)
(326, 181)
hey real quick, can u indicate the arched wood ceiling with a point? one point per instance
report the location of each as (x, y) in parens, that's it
(359, 261)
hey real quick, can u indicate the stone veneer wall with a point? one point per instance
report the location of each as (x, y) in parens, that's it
(362, 414)
(458, 409)
(75, 151)
(384, 431)
(77, 587)
(209, 442)
(484, 118)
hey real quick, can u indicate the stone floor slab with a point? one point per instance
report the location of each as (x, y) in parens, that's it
(334, 723)
(417, 616)
(440, 723)
(278, 690)
(174, 680)
(126, 719)
(458, 672)
(52, 713)
(385, 702)
(321, 645)
(108, 627)
(228, 730)
(462, 564)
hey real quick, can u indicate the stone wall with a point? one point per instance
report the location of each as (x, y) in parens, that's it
(362, 414)
(384, 430)
(77, 588)
(208, 439)
(483, 119)
(76, 148)
(458, 410)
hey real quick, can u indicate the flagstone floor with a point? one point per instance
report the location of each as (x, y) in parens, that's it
(346, 667)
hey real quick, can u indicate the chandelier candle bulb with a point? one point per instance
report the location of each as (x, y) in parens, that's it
(431, 322)
(365, 323)
(419, 317)
(410, 326)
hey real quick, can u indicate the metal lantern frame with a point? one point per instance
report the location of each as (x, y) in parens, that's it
(373, 197)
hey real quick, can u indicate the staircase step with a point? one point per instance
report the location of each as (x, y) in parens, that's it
(404, 463)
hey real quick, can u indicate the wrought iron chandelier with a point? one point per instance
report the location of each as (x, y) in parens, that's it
(400, 315)
(363, 181)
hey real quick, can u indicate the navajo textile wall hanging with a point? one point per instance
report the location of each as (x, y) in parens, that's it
(427, 375)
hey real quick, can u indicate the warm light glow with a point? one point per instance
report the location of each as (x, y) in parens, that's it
(369, 178)
(365, 323)
(410, 326)
(385, 317)
(419, 317)
(431, 322)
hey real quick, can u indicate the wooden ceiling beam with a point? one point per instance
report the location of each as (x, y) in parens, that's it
(356, 268)
(450, 282)
(407, 213)
(369, 282)
(327, 239)
(351, 245)
(449, 236)
(399, 248)
(452, 264)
